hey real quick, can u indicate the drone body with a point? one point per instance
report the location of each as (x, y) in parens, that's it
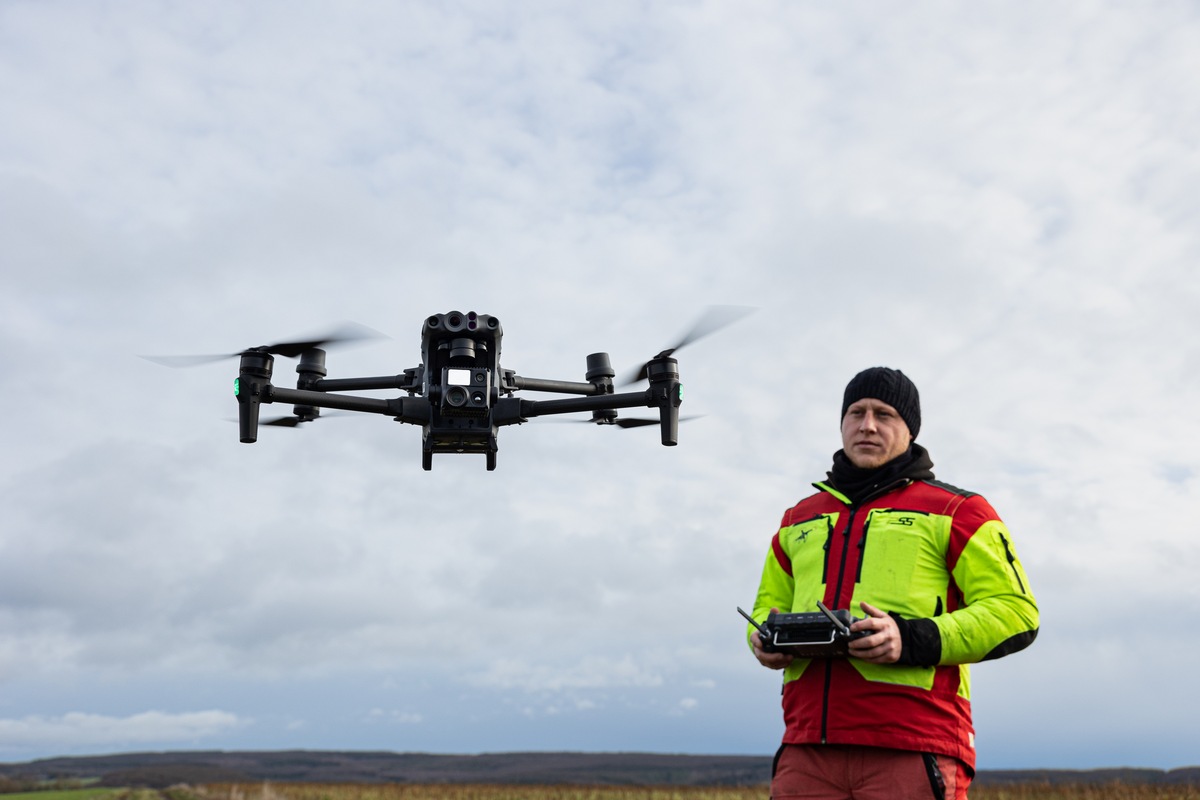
(459, 394)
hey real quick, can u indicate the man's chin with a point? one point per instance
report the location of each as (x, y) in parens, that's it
(868, 459)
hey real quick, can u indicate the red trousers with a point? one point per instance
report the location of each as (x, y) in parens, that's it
(850, 772)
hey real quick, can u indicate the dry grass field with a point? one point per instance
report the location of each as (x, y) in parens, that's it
(314, 791)
(466, 791)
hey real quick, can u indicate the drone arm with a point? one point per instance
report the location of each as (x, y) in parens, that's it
(559, 387)
(405, 382)
(510, 411)
(665, 394)
(513, 410)
(537, 408)
(414, 410)
(666, 399)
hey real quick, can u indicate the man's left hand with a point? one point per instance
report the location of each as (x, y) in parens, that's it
(883, 645)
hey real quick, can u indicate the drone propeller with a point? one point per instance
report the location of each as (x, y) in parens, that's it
(294, 421)
(290, 421)
(640, 422)
(349, 332)
(712, 320)
(624, 422)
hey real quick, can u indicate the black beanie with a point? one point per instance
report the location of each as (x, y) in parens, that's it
(890, 386)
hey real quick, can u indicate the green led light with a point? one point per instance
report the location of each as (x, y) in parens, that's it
(237, 386)
(680, 392)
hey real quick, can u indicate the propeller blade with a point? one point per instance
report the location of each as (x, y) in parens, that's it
(349, 332)
(290, 421)
(641, 422)
(180, 362)
(623, 422)
(634, 422)
(712, 320)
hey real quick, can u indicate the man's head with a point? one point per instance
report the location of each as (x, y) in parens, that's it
(881, 415)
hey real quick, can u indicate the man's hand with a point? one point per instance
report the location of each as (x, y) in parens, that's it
(883, 645)
(769, 660)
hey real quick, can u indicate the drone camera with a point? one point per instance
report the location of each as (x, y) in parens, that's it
(466, 392)
(461, 358)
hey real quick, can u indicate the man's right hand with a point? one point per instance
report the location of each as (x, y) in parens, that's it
(769, 660)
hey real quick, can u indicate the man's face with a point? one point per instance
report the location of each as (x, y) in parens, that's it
(873, 433)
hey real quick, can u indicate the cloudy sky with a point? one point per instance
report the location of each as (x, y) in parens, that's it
(1000, 198)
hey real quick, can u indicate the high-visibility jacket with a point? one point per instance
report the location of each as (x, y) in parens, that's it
(927, 552)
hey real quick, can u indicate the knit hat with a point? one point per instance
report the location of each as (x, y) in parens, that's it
(890, 386)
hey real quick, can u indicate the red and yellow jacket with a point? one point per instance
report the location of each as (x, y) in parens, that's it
(937, 557)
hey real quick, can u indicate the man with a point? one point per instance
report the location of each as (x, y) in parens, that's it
(933, 569)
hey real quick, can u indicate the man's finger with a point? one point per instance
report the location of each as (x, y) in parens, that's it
(871, 610)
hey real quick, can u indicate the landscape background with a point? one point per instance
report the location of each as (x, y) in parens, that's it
(999, 198)
(365, 769)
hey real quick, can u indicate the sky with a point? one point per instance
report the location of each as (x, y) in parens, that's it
(998, 198)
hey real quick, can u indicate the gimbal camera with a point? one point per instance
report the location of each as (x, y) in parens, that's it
(459, 394)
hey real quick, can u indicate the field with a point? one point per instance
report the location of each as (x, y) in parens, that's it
(312, 791)
(453, 791)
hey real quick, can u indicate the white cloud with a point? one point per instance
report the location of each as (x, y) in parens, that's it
(394, 717)
(79, 730)
(587, 673)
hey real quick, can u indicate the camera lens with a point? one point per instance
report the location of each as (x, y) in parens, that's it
(462, 348)
(456, 396)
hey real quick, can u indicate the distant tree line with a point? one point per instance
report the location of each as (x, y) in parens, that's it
(14, 784)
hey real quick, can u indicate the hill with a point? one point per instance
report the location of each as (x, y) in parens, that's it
(196, 767)
(162, 769)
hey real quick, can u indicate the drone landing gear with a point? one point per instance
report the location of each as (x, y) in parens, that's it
(465, 441)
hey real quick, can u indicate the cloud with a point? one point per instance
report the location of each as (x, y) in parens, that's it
(588, 673)
(75, 731)
(394, 717)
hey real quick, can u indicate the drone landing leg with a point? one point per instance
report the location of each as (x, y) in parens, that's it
(253, 375)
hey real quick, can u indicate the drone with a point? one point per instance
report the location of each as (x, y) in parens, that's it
(459, 394)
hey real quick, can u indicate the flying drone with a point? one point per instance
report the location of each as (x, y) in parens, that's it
(459, 394)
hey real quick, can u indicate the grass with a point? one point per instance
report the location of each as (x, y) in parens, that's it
(89, 793)
(1098, 791)
(313, 791)
(467, 791)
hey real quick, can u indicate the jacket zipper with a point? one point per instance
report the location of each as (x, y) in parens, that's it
(837, 593)
(862, 551)
(826, 547)
(879, 491)
(1012, 563)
